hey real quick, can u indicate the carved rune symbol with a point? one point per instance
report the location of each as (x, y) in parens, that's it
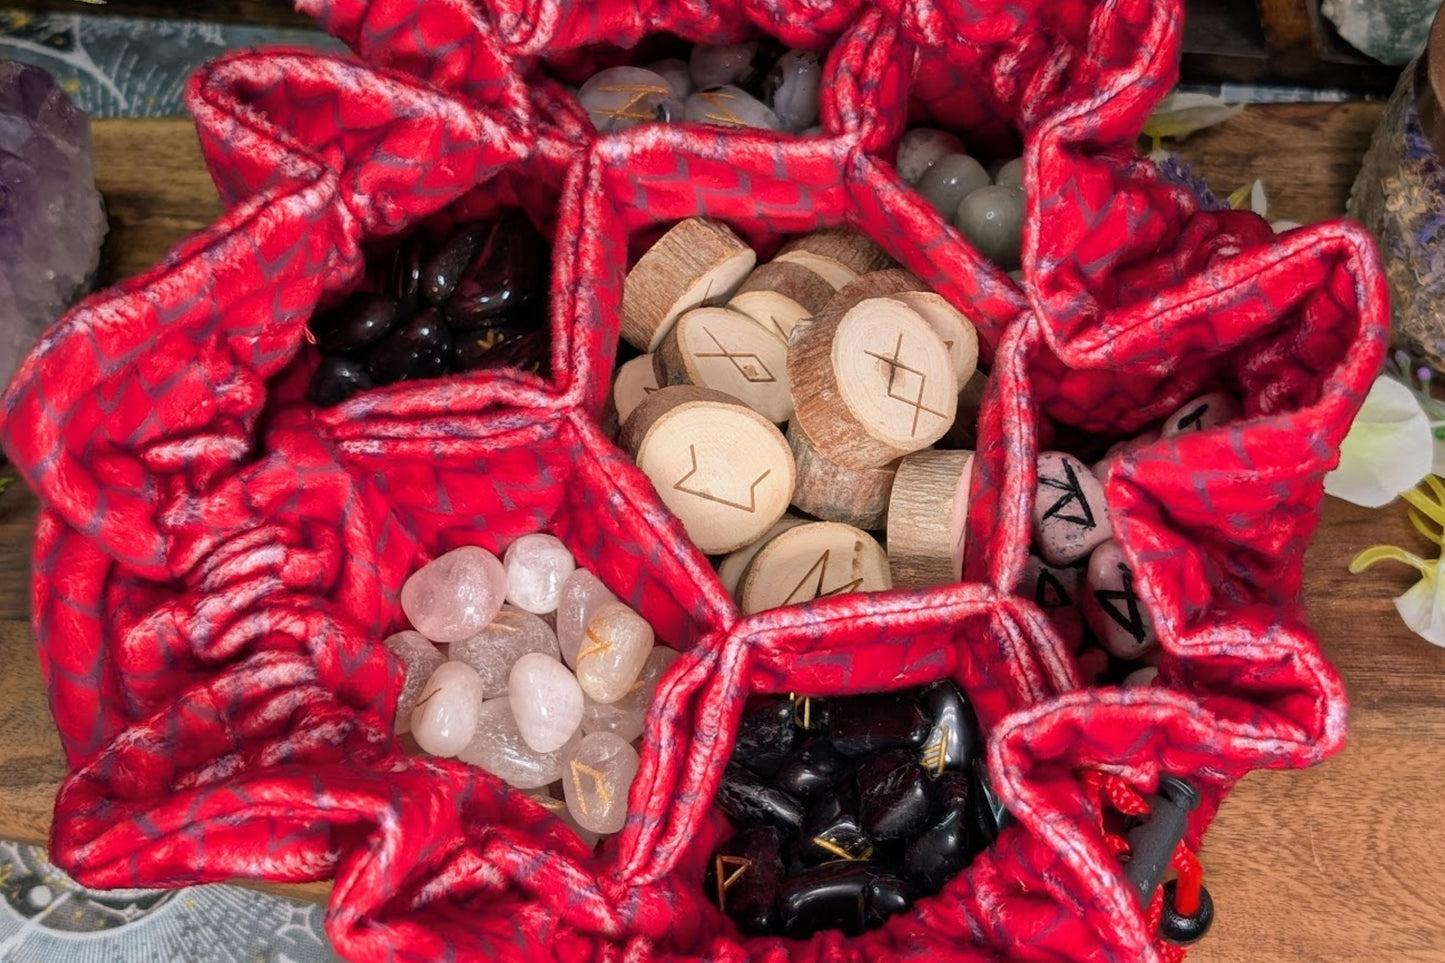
(746, 363)
(727, 880)
(1195, 419)
(815, 572)
(859, 850)
(595, 645)
(1049, 592)
(604, 795)
(752, 503)
(935, 754)
(1132, 620)
(720, 113)
(638, 92)
(895, 366)
(1072, 494)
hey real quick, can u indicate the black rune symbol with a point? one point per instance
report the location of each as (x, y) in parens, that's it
(1049, 592)
(1195, 418)
(1131, 621)
(1072, 495)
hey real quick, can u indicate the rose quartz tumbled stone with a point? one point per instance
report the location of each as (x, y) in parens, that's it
(581, 594)
(596, 778)
(624, 718)
(451, 597)
(497, 647)
(615, 645)
(537, 565)
(546, 701)
(445, 718)
(421, 659)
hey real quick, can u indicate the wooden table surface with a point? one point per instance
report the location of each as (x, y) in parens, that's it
(1341, 863)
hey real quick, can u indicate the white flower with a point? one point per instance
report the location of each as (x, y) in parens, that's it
(1423, 604)
(1389, 448)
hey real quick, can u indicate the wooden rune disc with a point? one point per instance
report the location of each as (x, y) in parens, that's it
(957, 332)
(871, 384)
(853, 496)
(731, 567)
(838, 255)
(722, 349)
(928, 518)
(778, 295)
(723, 469)
(811, 561)
(634, 381)
(697, 262)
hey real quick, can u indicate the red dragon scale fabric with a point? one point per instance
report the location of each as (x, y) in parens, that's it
(217, 560)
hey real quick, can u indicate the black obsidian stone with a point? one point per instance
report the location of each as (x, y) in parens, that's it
(831, 829)
(443, 270)
(895, 796)
(407, 265)
(745, 878)
(420, 348)
(749, 801)
(953, 739)
(862, 724)
(336, 379)
(506, 275)
(813, 769)
(355, 322)
(986, 813)
(499, 348)
(936, 856)
(847, 896)
(766, 734)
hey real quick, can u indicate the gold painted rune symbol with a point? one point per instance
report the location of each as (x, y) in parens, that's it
(729, 870)
(638, 92)
(596, 645)
(752, 503)
(604, 795)
(860, 849)
(749, 371)
(894, 366)
(714, 99)
(935, 754)
(816, 572)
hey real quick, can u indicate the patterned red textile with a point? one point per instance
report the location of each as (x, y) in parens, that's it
(217, 560)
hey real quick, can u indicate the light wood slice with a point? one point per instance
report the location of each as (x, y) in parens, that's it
(778, 295)
(853, 496)
(725, 350)
(957, 332)
(723, 469)
(964, 433)
(837, 255)
(928, 518)
(634, 381)
(871, 384)
(813, 561)
(697, 262)
(731, 567)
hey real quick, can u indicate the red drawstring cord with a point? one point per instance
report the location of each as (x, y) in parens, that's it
(1124, 799)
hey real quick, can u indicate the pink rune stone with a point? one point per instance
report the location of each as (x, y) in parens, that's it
(1055, 589)
(1204, 412)
(498, 747)
(445, 718)
(582, 593)
(1141, 678)
(615, 645)
(420, 659)
(546, 701)
(1112, 606)
(596, 778)
(537, 565)
(625, 717)
(496, 648)
(1071, 515)
(451, 597)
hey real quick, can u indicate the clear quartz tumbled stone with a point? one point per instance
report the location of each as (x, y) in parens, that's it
(420, 659)
(621, 97)
(497, 647)
(451, 597)
(582, 593)
(498, 747)
(625, 717)
(597, 775)
(614, 647)
(729, 106)
(445, 717)
(537, 565)
(546, 701)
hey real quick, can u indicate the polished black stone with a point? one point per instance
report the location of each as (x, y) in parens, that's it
(895, 796)
(744, 878)
(987, 815)
(939, 852)
(847, 896)
(831, 829)
(507, 274)
(444, 269)
(953, 739)
(813, 768)
(420, 348)
(500, 348)
(355, 322)
(408, 263)
(336, 379)
(883, 720)
(748, 800)
(766, 734)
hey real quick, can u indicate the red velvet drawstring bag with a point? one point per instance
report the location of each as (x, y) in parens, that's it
(217, 560)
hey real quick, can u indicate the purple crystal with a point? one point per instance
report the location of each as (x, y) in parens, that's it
(51, 218)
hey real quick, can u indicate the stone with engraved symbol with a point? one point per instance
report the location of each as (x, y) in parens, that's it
(1071, 515)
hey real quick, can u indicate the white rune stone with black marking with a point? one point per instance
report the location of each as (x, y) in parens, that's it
(1112, 606)
(1056, 589)
(1201, 414)
(1071, 515)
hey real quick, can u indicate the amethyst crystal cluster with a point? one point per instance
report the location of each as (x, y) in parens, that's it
(51, 218)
